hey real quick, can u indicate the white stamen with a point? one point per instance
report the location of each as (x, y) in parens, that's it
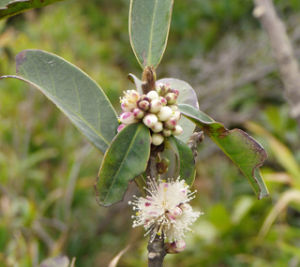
(165, 211)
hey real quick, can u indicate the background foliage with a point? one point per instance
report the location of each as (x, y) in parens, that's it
(47, 169)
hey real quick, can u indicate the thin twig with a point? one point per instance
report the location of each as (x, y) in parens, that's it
(283, 52)
(156, 248)
(156, 252)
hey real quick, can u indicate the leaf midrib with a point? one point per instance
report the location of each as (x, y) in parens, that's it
(151, 32)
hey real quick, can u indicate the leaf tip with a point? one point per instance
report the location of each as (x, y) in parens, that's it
(97, 195)
(20, 59)
(263, 195)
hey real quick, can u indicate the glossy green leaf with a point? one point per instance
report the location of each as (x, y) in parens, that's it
(149, 24)
(186, 160)
(241, 148)
(10, 8)
(72, 91)
(125, 159)
(188, 96)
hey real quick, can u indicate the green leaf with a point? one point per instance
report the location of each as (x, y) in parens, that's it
(149, 24)
(241, 148)
(10, 8)
(72, 91)
(186, 161)
(188, 96)
(170, 152)
(125, 159)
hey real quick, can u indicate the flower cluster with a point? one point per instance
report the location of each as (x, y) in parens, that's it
(157, 109)
(165, 211)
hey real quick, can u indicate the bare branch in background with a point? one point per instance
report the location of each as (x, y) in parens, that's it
(283, 52)
(237, 62)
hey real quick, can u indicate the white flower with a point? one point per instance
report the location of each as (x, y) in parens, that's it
(165, 211)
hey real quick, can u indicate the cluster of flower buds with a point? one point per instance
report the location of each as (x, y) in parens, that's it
(157, 109)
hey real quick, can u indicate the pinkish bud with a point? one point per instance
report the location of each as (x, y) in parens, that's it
(144, 105)
(159, 87)
(180, 245)
(176, 92)
(149, 120)
(144, 97)
(157, 127)
(174, 213)
(121, 127)
(167, 132)
(175, 247)
(164, 114)
(157, 139)
(176, 115)
(152, 95)
(163, 101)
(178, 130)
(127, 118)
(124, 106)
(162, 89)
(170, 124)
(155, 105)
(138, 113)
(171, 98)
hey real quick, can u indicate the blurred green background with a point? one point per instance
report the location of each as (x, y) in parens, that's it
(47, 168)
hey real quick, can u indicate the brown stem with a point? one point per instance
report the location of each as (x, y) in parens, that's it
(156, 248)
(156, 252)
(149, 78)
(283, 52)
